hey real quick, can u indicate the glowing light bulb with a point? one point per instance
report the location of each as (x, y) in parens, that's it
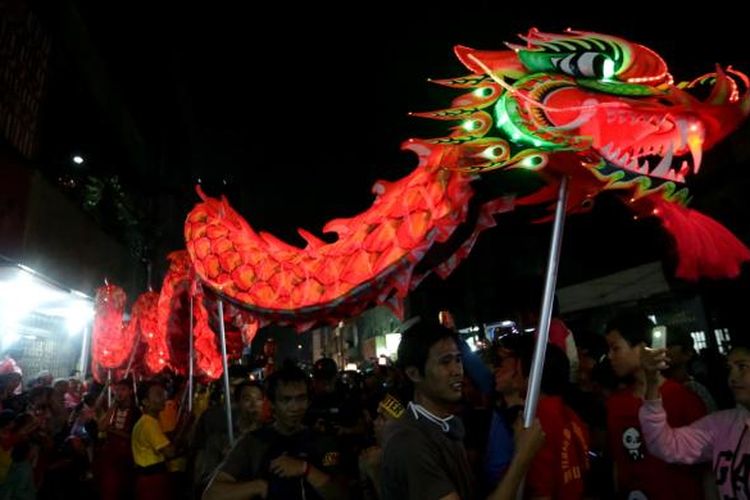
(470, 125)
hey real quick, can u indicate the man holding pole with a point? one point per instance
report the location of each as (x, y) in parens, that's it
(424, 455)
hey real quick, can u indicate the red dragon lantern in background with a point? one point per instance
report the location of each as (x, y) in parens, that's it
(143, 328)
(157, 336)
(111, 343)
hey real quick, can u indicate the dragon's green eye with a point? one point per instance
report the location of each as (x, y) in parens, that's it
(493, 152)
(483, 92)
(533, 162)
(470, 125)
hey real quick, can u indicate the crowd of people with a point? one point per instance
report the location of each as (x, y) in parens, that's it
(615, 419)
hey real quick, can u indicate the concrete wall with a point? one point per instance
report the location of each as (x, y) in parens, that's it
(44, 230)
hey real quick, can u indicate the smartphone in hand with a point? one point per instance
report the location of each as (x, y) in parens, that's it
(659, 337)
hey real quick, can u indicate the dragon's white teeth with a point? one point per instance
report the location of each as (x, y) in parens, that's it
(644, 167)
(680, 178)
(662, 168)
(606, 150)
(633, 165)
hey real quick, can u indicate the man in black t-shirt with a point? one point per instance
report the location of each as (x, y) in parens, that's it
(284, 460)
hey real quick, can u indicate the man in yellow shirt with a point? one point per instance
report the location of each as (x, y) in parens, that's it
(151, 448)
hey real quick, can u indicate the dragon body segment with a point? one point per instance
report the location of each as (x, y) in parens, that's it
(598, 109)
(372, 260)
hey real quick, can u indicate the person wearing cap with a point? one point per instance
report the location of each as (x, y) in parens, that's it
(389, 410)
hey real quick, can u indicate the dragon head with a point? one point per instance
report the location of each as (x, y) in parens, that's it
(608, 103)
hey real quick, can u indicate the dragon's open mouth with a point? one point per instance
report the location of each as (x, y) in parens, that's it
(672, 157)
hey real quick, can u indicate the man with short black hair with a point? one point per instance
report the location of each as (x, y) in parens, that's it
(424, 455)
(284, 460)
(637, 472)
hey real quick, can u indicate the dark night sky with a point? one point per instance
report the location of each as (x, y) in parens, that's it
(301, 108)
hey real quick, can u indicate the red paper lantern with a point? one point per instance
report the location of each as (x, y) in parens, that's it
(111, 343)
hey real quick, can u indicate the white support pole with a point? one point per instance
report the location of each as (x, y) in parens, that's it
(537, 364)
(225, 364)
(83, 364)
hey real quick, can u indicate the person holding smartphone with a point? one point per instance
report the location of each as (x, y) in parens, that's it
(638, 473)
(721, 438)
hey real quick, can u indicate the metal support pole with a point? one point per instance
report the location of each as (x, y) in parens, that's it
(109, 388)
(190, 360)
(135, 392)
(227, 394)
(537, 364)
(85, 346)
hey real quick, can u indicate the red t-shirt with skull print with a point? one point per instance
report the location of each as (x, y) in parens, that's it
(641, 476)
